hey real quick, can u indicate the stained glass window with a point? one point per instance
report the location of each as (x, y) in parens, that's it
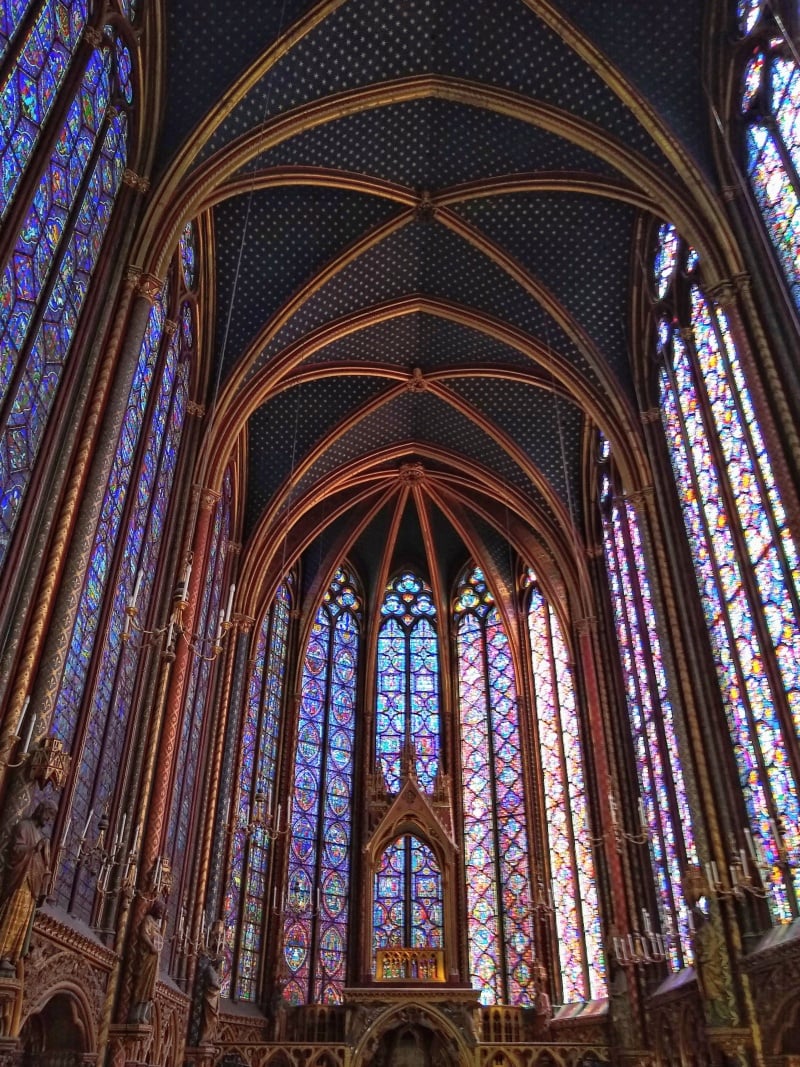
(407, 897)
(408, 682)
(744, 555)
(560, 752)
(97, 735)
(188, 255)
(198, 696)
(49, 271)
(663, 806)
(12, 13)
(316, 897)
(496, 850)
(28, 91)
(770, 103)
(245, 901)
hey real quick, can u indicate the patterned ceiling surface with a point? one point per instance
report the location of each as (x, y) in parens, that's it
(498, 259)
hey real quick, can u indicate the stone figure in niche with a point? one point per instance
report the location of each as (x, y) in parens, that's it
(26, 882)
(144, 963)
(209, 1004)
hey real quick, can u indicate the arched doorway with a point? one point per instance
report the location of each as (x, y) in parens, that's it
(414, 1045)
(56, 1035)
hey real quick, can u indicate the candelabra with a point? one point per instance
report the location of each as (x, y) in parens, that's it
(261, 822)
(205, 648)
(101, 859)
(640, 949)
(618, 833)
(298, 900)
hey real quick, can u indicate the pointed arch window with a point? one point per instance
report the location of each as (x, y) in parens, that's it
(407, 900)
(770, 104)
(496, 848)
(408, 682)
(317, 891)
(92, 717)
(662, 787)
(744, 554)
(46, 280)
(250, 850)
(560, 752)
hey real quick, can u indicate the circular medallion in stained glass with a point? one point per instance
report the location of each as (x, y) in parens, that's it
(666, 258)
(124, 68)
(335, 851)
(332, 950)
(338, 795)
(295, 946)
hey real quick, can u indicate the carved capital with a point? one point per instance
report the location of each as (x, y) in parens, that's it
(233, 547)
(586, 626)
(640, 497)
(170, 326)
(195, 409)
(651, 415)
(594, 551)
(243, 623)
(93, 36)
(206, 498)
(729, 193)
(723, 292)
(149, 287)
(135, 181)
(132, 274)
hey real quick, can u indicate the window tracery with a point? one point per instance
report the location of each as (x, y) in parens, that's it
(770, 107)
(560, 750)
(496, 848)
(245, 897)
(744, 554)
(46, 280)
(408, 682)
(407, 899)
(318, 881)
(664, 805)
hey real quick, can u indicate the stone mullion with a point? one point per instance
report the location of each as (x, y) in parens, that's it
(64, 570)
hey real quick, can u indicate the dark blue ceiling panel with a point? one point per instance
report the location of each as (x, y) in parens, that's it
(208, 45)
(492, 41)
(581, 248)
(545, 426)
(426, 258)
(431, 144)
(424, 341)
(270, 242)
(658, 45)
(283, 430)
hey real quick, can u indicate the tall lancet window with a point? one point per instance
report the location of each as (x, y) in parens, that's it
(94, 699)
(770, 102)
(744, 553)
(496, 847)
(58, 221)
(250, 847)
(408, 682)
(664, 805)
(318, 883)
(560, 751)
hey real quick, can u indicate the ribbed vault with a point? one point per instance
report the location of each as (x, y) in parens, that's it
(423, 223)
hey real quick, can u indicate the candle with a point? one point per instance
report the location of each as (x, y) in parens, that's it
(278, 820)
(170, 631)
(136, 588)
(187, 574)
(642, 814)
(66, 831)
(715, 872)
(135, 844)
(750, 845)
(29, 735)
(219, 626)
(229, 608)
(23, 713)
(88, 824)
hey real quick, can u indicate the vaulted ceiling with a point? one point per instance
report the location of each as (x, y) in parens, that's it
(424, 219)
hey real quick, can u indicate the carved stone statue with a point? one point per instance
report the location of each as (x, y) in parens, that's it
(144, 963)
(27, 876)
(209, 1005)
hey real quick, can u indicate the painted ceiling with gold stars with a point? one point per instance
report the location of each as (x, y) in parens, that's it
(424, 219)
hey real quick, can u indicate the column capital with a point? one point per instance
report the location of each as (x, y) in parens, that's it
(149, 286)
(205, 497)
(195, 409)
(135, 181)
(587, 625)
